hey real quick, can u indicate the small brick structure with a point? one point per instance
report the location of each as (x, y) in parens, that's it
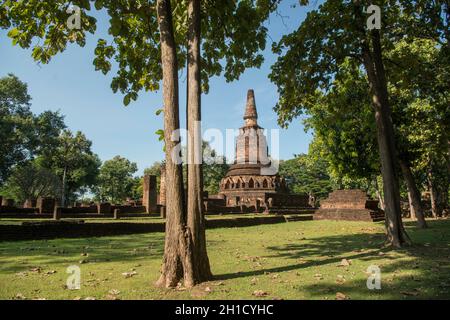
(352, 204)
(116, 214)
(30, 203)
(54, 229)
(57, 213)
(46, 204)
(7, 202)
(149, 197)
(104, 207)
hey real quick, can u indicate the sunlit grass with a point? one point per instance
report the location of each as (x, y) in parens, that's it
(295, 260)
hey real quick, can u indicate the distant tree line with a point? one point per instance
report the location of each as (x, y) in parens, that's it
(40, 156)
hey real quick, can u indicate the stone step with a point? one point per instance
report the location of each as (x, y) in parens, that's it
(298, 218)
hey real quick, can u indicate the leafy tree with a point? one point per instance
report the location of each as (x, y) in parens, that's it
(15, 121)
(137, 190)
(311, 57)
(116, 180)
(420, 88)
(23, 134)
(304, 174)
(73, 161)
(30, 181)
(48, 127)
(215, 168)
(343, 124)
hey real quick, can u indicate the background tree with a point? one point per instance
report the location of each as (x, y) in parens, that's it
(16, 119)
(310, 60)
(30, 181)
(342, 123)
(48, 127)
(73, 161)
(305, 174)
(137, 190)
(420, 87)
(215, 168)
(116, 180)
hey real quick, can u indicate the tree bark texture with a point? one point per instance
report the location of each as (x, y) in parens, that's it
(416, 208)
(178, 256)
(372, 58)
(195, 212)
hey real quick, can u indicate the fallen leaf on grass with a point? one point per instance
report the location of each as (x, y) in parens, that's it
(260, 293)
(21, 274)
(50, 272)
(114, 292)
(340, 279)
(341, 296)
(413, 293)
(129, 274)
(36, 269)
(19, 296)
(318, 276)
(345, 263)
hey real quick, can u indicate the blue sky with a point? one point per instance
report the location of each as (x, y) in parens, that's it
(69, 83)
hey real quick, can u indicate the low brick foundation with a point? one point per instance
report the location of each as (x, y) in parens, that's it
(353, 205)
(78, 229)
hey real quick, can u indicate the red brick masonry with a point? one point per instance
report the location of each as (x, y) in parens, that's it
(353, 204)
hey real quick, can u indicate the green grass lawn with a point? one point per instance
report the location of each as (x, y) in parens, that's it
(295, 260)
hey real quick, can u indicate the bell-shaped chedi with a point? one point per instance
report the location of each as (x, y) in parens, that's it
(252, 152)
(244, 183)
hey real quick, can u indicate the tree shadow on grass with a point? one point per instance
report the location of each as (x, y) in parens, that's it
(427, 259)
(16, 256)
(330, 247)
(59, 252)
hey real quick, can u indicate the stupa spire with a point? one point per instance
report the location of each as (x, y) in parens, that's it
(251, 115)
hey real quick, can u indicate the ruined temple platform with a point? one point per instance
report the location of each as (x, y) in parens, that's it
(352, 205)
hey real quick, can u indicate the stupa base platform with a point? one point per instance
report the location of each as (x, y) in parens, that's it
(349, 215)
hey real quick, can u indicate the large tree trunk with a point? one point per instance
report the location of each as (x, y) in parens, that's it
(433, 195)
(412, 211)
(416, 208)
(178, 257)
(63, 187)
(378, 193)
(195, 215)
(396, 234)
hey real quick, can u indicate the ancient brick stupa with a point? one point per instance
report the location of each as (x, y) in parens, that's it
(250, 178)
